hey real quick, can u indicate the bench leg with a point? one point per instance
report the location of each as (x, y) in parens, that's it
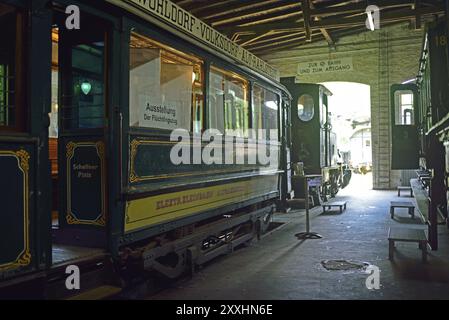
(324, 209)
(411, 211)
(392, 212)
(423, 250)
(341, 209)
(344, 206)
(411, 193)
(390, 249)
(399, 192)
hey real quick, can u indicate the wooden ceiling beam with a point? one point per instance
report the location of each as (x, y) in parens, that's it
(283, 43)
(306, 15)
(328, 37)
(265, 27)
(183, 2)
(248, 7)
(255, 39)
(358, 7)
(295, 44)
(398, 15)
(200, 8)
(273, 38)
(323, 31)
(416, 6)
(274, 11)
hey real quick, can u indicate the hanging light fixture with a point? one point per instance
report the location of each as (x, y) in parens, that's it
(86, 87)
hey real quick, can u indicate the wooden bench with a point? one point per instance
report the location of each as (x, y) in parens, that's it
(405, 188)
(407, 235)
(402, 204)
(340, 204)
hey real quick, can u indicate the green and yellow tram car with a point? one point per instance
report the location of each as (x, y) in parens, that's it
(90, 94)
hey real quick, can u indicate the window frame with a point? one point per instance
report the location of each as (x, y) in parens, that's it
(20, 84)
(226, 72)
(167, 44)
(190, 47)
(279, 110)
(306, 95)
(107, 29)
(400, 108)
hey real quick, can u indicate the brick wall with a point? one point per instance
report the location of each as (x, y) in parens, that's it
(380, 58)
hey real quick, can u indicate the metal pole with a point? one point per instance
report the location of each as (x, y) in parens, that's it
(307, 234)
(306, 192)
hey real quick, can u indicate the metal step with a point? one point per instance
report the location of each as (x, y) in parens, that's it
(98, 293)
(97, 277)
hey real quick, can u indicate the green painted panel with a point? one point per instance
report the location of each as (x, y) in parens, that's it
(404, 128)
(150, 161)
(15, 228)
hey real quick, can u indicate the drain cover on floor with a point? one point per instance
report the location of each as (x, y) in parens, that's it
(336, 265)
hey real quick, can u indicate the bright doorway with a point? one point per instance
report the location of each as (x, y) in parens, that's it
(350, 108)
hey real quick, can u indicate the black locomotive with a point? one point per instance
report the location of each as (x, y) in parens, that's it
(314, 144)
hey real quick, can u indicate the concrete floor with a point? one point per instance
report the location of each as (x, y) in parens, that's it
(282, 267)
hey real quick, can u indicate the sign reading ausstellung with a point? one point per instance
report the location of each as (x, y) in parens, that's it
(189, 24)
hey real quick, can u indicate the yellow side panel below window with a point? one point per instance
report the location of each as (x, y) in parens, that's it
(149, 211)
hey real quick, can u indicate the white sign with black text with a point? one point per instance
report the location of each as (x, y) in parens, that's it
(325, 66)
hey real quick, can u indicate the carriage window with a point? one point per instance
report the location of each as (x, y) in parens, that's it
(83, 76)
(228, 102)
(265, 110)
(11, 68)
(404, 107)
(270, 111)
(166, 87)
(54, 128)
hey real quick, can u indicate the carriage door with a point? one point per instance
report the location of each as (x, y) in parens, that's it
(404, 129)
(18, 150)
(83, 88)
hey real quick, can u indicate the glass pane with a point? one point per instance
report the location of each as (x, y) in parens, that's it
(216, 101)
(3, 97)
(407, 98)
(270, 113)
(404, 114)
(265, 111)
(88, 82)
(306, 108)
(258, 100)
(53, 129)
(83, 77)
(166, 86)
(236, 110)
(198, 99)
(228, 103)
(9, 40)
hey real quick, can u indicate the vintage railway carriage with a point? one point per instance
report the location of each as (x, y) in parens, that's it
(420, 123)
(86, 117)
(433, 115)
(313, 141)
